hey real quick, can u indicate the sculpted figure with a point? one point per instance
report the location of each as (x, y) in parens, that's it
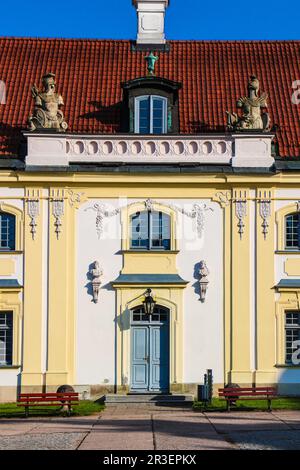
(47, 103)
(96, 273)
(151, 59)
(203, 269)
(203, 273)
(251, 106)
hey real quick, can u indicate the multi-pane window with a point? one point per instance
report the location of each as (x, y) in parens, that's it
(292, 334)
(7, 231)
(160, 314)
(292, 231)
(151, 115)
(6, 338)
(150, 230)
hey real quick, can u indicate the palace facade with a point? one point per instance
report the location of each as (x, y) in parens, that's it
(149, 213)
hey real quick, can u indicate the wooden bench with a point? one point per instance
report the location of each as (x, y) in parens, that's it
(66, 399)
(233, 394)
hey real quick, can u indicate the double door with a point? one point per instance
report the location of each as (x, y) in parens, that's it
(150, 356)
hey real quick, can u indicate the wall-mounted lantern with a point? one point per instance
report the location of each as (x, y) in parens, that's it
(149, 302)
(203, 273)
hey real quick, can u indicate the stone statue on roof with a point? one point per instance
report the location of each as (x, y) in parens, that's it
(251, 105)
(47, 103)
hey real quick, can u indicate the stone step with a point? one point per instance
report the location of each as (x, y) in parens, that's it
(132, 398)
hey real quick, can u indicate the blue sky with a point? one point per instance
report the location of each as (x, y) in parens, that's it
(186, 19)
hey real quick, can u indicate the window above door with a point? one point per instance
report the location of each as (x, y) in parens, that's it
(150, 230)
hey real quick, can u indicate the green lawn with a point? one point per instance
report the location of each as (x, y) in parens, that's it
(251, 405)
(85, 408)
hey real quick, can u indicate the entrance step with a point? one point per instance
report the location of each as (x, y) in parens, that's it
(131, 398)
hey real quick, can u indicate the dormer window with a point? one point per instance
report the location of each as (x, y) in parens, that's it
(151, 115)
(150, 106)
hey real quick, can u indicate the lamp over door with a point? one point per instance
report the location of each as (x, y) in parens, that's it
(149, 302)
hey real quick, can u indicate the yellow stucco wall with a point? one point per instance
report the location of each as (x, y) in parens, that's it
(224, 189)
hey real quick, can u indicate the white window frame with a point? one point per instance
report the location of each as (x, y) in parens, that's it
(291, 248)
(8, 344)
(150, 246)
(7, 248)
(137, 112)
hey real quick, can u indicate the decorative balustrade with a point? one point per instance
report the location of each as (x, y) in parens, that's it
(58, 149)
(145, 149)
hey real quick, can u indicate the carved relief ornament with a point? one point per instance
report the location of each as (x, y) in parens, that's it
(197, 213)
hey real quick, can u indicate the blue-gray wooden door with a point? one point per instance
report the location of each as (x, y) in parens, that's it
(150, 356)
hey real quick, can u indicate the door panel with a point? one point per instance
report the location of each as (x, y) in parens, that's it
(159, 358)
(140, 346)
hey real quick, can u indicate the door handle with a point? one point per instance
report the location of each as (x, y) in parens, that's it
(146, 359)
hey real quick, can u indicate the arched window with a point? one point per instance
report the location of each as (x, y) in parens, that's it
(7, 232)
(151, 115)
(150, 230)
(292, 231)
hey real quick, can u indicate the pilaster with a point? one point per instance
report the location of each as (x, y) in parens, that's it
(240, 289)
(265, 308)
(32, 374)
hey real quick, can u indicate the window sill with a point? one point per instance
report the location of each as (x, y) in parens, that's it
(12, 252)
(150, 251)
(9, 367)
(287, 366)
(287, 252)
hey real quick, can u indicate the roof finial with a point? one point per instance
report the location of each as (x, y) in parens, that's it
(151, 59)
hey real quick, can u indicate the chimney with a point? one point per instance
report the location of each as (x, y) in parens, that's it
(151, 21)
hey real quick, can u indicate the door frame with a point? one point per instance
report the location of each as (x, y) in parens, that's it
(148, 324)
(128, 297)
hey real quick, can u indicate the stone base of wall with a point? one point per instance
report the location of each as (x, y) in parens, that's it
(8, 394)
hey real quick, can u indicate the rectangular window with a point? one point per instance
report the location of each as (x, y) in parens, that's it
(292, 232)
(6, 338)
(150, 230)
(7, 232)
(292, 334)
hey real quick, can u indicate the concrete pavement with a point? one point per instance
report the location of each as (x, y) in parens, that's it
(143, 427)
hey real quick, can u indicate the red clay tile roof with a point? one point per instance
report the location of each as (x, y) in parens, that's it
(214, 74)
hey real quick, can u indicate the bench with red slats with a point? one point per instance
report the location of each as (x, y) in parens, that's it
(232, 394)
(67, 399)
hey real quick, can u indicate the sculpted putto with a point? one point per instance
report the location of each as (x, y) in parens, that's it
(47, 113)
(96, 272)
(203, 281)
(251, 106)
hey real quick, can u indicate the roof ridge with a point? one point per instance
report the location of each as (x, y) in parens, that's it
(214, 41)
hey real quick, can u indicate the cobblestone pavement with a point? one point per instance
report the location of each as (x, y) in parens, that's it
(155, 428)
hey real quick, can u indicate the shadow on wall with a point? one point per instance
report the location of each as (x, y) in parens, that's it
(123, 320)
(196, 276)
